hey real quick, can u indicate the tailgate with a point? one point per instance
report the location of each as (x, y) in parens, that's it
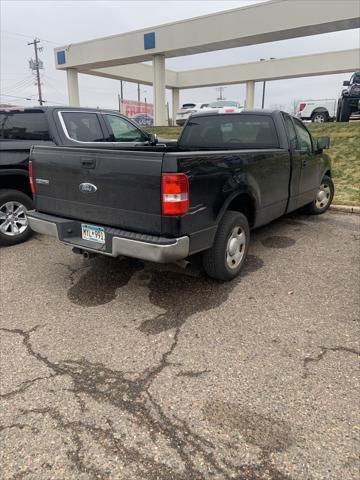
(115, 188)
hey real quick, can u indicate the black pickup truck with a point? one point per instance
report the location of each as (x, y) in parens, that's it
(228, 173)
(20, 128)
(349, 102)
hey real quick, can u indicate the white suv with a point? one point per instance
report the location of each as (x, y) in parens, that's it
(186, 110)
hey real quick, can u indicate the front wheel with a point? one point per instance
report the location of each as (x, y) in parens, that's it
(345, 111)
(323, 198)
(224, 260)
(14, 225)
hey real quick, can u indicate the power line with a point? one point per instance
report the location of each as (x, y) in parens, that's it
(20, 86)
(15, 96)
(29, 98)
(6, 32)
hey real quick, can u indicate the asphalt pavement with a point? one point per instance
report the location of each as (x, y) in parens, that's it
(119, 369)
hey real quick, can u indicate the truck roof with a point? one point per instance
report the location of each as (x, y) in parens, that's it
(49, 108)
(243, 112)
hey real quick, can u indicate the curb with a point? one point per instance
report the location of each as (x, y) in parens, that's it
(345, 209)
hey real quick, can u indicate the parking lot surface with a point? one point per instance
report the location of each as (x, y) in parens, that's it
(116, 369)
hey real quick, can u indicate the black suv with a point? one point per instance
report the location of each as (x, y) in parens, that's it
(349, 102)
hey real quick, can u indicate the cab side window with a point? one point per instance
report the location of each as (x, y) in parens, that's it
(124, 131)
(303, 137)
(290, 130)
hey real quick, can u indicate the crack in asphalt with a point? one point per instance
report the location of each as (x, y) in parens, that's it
(192, 374)
(130, 392)
(23, 385)
(198, 455)
(134, 398)
(323, 351)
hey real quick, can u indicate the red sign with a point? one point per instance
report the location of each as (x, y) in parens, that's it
(140, 112)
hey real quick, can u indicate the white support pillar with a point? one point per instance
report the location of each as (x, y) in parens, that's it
(250, 93)
(73, 87)
(175, 103)
(159, 89)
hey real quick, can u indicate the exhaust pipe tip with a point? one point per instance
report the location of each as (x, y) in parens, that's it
(85, 253)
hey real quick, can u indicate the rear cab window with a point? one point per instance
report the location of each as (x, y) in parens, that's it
(24, 125)
(82, 126)
(231, 131)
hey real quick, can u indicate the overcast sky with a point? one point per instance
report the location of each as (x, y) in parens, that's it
(62, 22)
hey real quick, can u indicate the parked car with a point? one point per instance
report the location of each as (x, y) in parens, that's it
(349, 101)
(186, 110)
(228, 173)
(68, 126)
(317, 111)
(225, 106)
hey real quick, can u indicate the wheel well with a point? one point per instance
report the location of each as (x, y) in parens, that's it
(320, 110)
(327, 173)
(245, 204)
(16, 182)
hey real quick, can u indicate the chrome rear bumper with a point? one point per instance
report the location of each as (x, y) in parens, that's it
(118, 242)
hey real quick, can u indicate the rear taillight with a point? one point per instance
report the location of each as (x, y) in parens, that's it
(31, 177)
(175, 194)
(302, 106)
(229, 110)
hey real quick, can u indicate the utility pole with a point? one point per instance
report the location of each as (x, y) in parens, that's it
(36, 67)
(138, 92)
(220, 90)
(121, 90)
(263, 95)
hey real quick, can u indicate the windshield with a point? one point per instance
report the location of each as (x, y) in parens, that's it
(356, 78)
(222, 103)
(188, 105)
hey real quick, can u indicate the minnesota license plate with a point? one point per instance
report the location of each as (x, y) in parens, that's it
(93, 233)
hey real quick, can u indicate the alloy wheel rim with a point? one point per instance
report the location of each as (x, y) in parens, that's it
(319, 119)
(323, 196)
(235, 249)
(13, 219)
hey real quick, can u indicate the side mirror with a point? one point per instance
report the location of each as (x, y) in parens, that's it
(323, 143)
(153, 139)
(346, 83)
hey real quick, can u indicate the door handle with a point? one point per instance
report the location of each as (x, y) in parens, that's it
(88, 162)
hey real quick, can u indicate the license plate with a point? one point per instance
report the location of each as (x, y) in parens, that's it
(93, 233)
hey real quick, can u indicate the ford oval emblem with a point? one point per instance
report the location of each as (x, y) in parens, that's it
(87, 188)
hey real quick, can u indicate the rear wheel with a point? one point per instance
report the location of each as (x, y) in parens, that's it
(14, 225)
(323, 197)
(320, 117)
(224, 260)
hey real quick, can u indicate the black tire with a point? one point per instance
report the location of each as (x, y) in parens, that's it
(315, 208)
(345, 111)
(338, 110)
(320, 117)
(7, 196)
(215, 259)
